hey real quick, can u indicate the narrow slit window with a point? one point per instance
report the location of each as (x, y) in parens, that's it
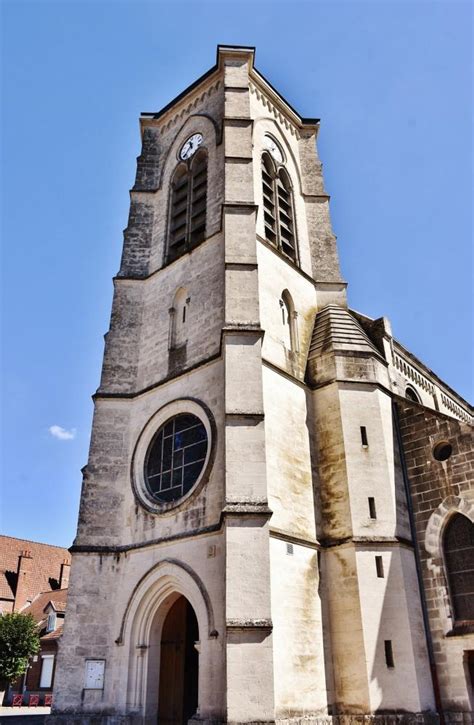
(379, 567)
(363, 436)
(372, 509)
(289, 549)
(389, 661)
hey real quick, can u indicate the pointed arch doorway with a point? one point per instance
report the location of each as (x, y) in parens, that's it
(179, 665)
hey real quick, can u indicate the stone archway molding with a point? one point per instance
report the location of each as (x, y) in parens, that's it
(166, 576)
(439, 518)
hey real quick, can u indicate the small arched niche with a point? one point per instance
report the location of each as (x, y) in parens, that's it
(289, 327)
(178, 333)
(411, 394)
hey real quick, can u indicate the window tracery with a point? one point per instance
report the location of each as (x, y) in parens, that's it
(176, 457)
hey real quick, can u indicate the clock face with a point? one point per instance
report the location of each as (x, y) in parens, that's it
(190, 146)
(274, 149)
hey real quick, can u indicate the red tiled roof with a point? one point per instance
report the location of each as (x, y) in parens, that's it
(37, 607)
(59, 606)
(53, 635)
(47, 562)
(39, 604)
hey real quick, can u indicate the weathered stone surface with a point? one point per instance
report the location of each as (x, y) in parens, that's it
(438, 490)
(275, 549)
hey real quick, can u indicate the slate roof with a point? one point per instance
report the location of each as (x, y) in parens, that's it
(335, 329)
(46, 570)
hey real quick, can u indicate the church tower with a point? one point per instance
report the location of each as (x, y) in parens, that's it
(244, 551)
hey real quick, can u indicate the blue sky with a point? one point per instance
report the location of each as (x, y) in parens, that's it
(391, 82)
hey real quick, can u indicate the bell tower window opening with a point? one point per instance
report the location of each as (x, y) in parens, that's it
(285, 215)
(278, 207)
(187, 218)
(269, 207)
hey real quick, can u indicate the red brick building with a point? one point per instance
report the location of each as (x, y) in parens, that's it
(34, 579)
(28, 568)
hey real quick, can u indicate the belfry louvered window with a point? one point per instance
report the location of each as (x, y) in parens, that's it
(187, 226)
(278, 208)
(458, 545)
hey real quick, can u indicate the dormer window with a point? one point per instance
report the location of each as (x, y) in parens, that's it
(278, 206)
(51, 623)
(187, 219)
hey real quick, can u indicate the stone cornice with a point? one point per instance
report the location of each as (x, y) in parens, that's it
(249, 624)
(183, 103)
(135, 546)
(279, 107)
(104, 395)
(294, 539)
(247, 508)
(366, 541)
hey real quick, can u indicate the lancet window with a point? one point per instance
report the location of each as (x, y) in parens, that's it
(278, 207)
(187, 220)
(458, 546)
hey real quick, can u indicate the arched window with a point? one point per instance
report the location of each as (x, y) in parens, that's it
(411, 394)
(289, 322)
(278, 207)
(178, 335)
(187, 219)
(458, 546)
(269, 209)
(285, 215)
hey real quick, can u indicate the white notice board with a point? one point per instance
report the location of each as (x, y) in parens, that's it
(94, 676)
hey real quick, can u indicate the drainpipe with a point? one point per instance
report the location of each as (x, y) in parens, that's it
(424, 608)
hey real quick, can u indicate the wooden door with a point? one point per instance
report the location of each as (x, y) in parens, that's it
(178, 665)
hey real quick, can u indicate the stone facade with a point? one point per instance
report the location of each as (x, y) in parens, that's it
(308, 606)
(440, 489)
